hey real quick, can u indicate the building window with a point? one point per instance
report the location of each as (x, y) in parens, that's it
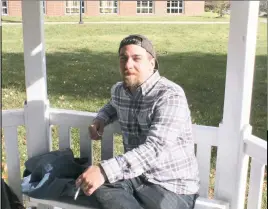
(175, 6)
(73, 7)
(44, 6)
(144, 6)
(108, 6)
(4, 7)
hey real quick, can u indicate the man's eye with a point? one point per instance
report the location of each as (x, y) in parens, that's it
(137, 58)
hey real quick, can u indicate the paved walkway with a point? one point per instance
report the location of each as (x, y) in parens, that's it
(130, 22)
(134, 22)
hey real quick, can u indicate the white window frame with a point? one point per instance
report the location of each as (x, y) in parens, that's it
(75, 5)
(140, 8)
(6, 7)
(111, 6)
(176, 7)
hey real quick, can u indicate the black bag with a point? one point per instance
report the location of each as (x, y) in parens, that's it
(9, 198)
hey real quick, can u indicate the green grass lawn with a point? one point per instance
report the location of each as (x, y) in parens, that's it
(82, 65)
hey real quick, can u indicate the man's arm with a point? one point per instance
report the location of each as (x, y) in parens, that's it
(107, 113)
(170, 114)
(105, 116)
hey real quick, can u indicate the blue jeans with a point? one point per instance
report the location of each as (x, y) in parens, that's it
(136, 193)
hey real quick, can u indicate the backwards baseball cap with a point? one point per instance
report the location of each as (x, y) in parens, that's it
(144, 42)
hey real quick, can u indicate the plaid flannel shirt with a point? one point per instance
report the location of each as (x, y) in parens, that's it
(157, 135)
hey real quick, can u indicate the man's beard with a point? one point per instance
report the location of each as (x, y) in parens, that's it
(130, 82)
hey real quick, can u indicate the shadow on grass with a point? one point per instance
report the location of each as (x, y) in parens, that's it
(11, 21)
(88, 75)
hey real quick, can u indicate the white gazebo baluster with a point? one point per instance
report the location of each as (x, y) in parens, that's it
(36, 115)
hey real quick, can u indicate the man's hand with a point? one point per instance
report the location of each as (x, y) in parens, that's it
(96, 129)
(91, 179)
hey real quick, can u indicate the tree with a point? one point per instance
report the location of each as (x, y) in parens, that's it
(220, 7)
(264, 6)
(208, 6)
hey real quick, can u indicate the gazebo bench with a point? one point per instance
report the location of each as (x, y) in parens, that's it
(87, 203)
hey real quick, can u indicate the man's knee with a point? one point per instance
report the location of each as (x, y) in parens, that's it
(116, 197)
(108, 192)
(156, 197)
(108, 197)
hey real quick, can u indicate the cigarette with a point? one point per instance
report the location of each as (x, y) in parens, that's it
(77, 192)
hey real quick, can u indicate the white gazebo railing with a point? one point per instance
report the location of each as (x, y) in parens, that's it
(233, 139)
(205, 137)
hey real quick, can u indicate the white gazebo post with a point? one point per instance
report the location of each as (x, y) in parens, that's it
(36, 107)
(232, 166)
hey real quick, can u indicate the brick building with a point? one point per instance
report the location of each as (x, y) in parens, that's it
(116, 7)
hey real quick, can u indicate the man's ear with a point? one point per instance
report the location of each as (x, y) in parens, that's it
(152, 61)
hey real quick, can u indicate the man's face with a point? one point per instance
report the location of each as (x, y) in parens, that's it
(136, 65)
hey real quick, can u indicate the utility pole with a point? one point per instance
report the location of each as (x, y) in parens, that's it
(81, 21)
